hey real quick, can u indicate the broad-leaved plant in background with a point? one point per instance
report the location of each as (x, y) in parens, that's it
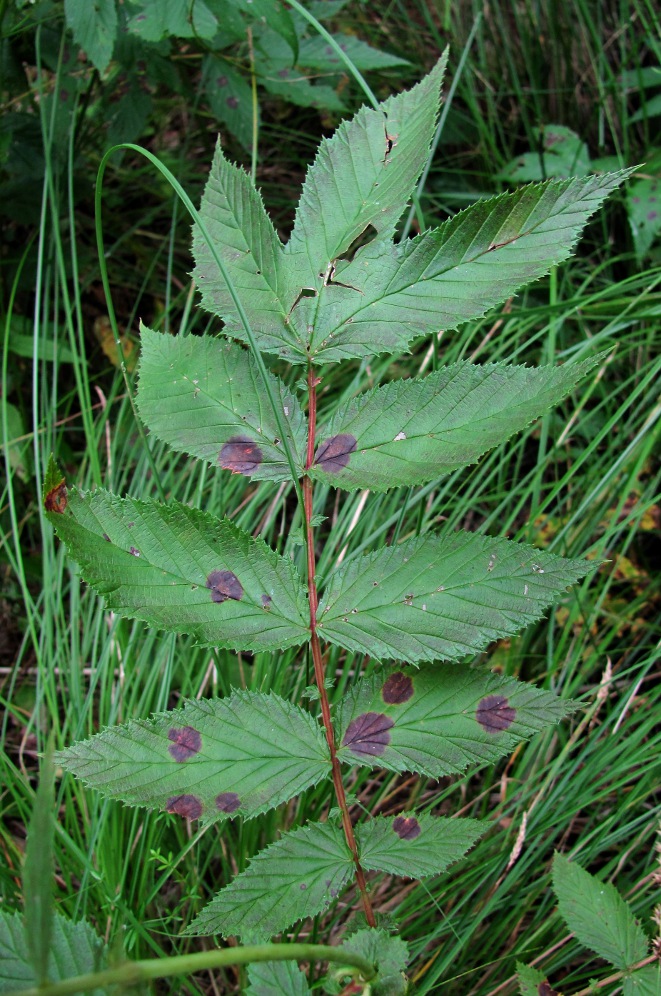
(419, 609)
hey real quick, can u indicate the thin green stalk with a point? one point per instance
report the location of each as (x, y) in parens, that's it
(132, 973)
(321, 30)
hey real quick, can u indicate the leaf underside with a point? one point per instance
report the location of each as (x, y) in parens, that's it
(441, 597)
(210, 760)
(185, 571)
(597, 915)
(298, 876)
(412, 431)
(438, 719)
(75, 949)
(416, 846)
(204, 396)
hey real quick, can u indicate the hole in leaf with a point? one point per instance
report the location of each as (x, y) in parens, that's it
(398, 688)
(406, 827)
(188, 806)
(494, 713)
(227, 802)
(334, 453)
(134, 551)
(240, 455)
(186, 742)
(367, 235)
(368, 734)
(224, 585)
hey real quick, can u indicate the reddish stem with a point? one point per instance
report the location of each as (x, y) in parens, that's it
(317, 658)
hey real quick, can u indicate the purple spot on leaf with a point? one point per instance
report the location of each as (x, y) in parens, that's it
(106, 537)
(222, 81)
(494, 713)
(406, 827)
(303, 886)
(398, 688)
(651, 215)
(224, 585)
(368, 735)
(240, 455)
(636, 200)
(334, 453)
(232, 102)
(283, 74)
(266, 602)
(188, 806)
(134, 551)
(186, 742)
(227, 802)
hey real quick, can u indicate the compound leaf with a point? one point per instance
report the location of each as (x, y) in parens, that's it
(276, 978)
(298, 876)
(411, 431)
(441, 597)
(94, 27)
(215, 758)
(387, 951)
(597, 915)
(363, 176)
(205, 397)
(389, 294)
(75, 949)
(416, 846)
(438, 719)
(234, 215)
(184, 571)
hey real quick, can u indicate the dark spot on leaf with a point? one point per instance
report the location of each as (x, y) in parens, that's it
(240, 455)
(651, 215)
(106, 537)
(398, 688)
(266, 602)
(368, 734)
(636, 200)
(224, 585)
(186, 742)
(406, 827)
(185, 805)
(134, 551)
(334, 453)
(303, 886)
(333, 893)
(222, 81)
(494, 713)
(56, 499)
(232, 102)
(227, 802)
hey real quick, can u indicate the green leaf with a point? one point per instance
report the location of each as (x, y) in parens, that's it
(184, 571)
(318, 54)
(561, 153)
(39, 869)
(75, 949)
(94, 27)
(276, 978)
(644, 213)
(391, 955)
(158, 19)
(416, 846)
(532, 982)
(441, 597)
(363, 176)
(230, 98)
(298, 876)
(645, 982)
(213, 759)
(411, 431)
(390, 294)
(438, 719)
(598, 916)
(234, 214)
(275, 14)
(205, 397)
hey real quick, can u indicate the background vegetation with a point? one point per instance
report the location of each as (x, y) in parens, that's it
(583, 479)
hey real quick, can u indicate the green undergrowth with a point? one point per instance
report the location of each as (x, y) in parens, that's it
(585, 479)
